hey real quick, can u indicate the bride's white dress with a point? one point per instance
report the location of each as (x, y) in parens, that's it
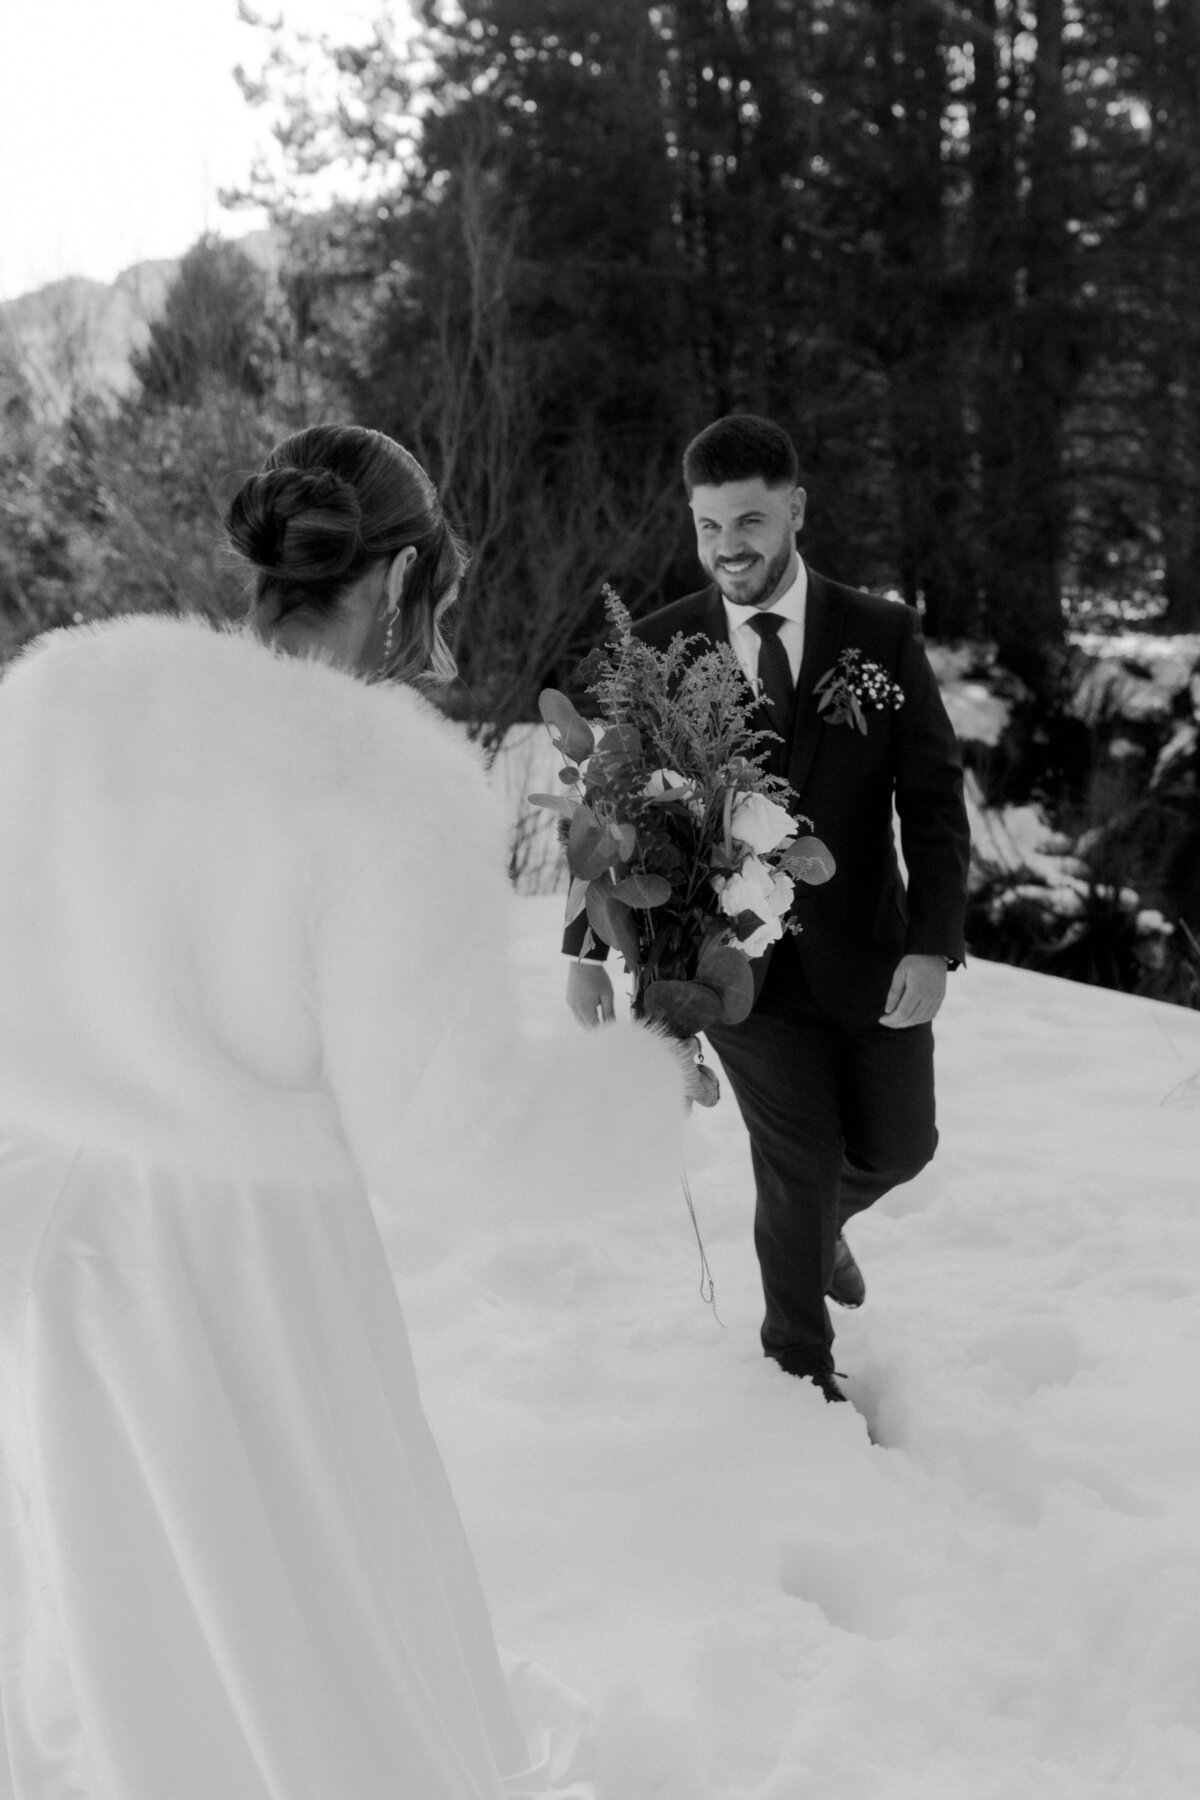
(252, 972)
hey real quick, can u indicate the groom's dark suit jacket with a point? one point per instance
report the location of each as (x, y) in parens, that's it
(856, 927)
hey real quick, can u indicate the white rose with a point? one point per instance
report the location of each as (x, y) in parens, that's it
(663, 781)
(669, 781)
(764, 934)
(760, 824)
(755, 888)
(783, 892)
(748, 890)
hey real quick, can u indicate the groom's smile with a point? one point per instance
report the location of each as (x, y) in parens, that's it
(745, 537)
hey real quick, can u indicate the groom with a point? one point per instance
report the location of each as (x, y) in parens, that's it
(833, 1068)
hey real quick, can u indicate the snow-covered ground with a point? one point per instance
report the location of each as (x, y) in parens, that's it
(980, 1582)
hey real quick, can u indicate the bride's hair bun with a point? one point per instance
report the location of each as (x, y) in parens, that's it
(299, 525)
(334, 503)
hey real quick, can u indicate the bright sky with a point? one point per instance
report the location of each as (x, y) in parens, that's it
(119, 122)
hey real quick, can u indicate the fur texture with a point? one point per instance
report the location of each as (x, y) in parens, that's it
(254, 916)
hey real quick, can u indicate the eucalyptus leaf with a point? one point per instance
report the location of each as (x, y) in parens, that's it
(746, 924)
(590, 848)
(625, 932)
(707, 1087)
(643, 890)
(685, 1006)
(571, 733)
(727, 970)
(576, 900)
(808, 860)
(610, 919)
(621, 742)
(555, 802)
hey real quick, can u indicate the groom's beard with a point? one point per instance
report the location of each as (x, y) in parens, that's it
(757, 586)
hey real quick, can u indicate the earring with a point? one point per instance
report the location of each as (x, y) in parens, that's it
(394, 588)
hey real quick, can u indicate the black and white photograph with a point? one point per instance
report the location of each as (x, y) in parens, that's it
(600, 900)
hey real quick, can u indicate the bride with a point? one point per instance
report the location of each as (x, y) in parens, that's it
(253, 968)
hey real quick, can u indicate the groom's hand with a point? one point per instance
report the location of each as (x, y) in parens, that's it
(918, 989)
(590, 993)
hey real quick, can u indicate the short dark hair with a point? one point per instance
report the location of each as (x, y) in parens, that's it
(738, 448)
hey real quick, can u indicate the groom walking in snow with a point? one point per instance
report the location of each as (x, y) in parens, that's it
(833, 1068)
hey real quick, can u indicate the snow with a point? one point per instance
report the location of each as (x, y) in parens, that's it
(981, 1581)
(966, 673)
(1137, 674)
(1016, 837)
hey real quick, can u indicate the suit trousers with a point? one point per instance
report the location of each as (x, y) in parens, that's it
(837, 1114)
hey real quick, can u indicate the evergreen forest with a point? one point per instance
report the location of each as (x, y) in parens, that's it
(953, 246)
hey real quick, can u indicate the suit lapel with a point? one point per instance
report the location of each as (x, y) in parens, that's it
(823, 628)
(714, 618)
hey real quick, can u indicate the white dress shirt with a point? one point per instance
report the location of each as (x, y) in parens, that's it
(790, 607)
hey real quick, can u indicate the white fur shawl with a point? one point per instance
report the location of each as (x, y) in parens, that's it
(254, 916)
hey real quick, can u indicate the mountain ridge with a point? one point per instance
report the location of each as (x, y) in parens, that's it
(77, 334)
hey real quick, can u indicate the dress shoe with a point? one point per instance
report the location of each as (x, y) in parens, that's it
(828, 1386)
(846, 1284)
(820, 1378)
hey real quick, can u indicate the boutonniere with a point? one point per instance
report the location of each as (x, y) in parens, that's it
(853, 683)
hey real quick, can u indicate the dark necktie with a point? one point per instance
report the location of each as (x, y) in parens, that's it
(775, 678)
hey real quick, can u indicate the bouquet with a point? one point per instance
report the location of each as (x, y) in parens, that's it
(679, 843)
